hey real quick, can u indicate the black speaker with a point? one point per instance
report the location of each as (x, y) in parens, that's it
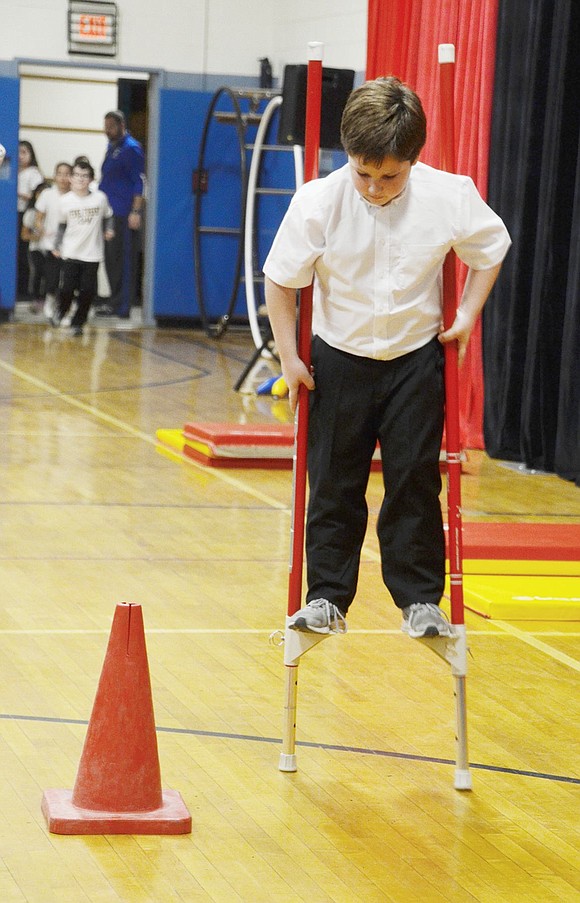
(336, 87)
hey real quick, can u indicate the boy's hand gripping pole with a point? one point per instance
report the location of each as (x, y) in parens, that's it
(454, 650)
(297, 643)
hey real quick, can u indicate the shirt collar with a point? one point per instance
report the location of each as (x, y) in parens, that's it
(394, 203)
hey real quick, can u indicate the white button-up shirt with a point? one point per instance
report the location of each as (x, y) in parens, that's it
(377, 270)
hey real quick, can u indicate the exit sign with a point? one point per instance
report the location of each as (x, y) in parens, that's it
(92, 28)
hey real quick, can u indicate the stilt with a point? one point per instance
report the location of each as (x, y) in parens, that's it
(452, 433)
(311, 150)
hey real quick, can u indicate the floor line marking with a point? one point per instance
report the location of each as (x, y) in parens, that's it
(144, 437)
(313, 744)
(539, 645)
(531, 641)
(219, 631)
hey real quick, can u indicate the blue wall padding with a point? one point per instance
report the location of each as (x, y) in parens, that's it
(9, 101)
(182, 117)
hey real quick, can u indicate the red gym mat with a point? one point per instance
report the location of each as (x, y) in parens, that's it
(269, 445)
(224, 435)
(545, 542)
(247, 463)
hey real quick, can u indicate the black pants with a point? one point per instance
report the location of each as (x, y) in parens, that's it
(52, 269)
(400, 404)
(81, 276)
(23, 267)
(37, 262)
(121, 263)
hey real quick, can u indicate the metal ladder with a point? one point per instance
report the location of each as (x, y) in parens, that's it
(250, 191)
(241, 120)
(254, 190)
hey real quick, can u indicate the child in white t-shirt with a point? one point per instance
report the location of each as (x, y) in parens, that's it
(31, 234)
(85, 220)
(29, 176)
(47, 221)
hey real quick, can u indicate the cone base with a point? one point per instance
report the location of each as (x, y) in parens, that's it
(62, 817)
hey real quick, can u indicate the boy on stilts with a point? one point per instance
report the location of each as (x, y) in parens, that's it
(374, 235)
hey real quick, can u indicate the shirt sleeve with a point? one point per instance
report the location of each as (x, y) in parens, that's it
(28, 218)
(135, 161)
(41, 201)
(106, 208)
(298, 243)
(483, 240)
(29, 179)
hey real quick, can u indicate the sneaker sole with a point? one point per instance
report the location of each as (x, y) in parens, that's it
(429, 633)
(302, 625)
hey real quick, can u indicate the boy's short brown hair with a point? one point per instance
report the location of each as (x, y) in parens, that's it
(383, 118)
(86, 167)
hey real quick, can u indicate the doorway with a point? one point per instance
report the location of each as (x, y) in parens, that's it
(61, 113)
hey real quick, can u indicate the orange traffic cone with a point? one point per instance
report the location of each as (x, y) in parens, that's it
(118, 784)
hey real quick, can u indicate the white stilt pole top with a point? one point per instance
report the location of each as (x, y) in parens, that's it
(315, 50)
(446, 53)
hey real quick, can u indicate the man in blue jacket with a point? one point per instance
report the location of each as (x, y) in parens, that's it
(123, 181)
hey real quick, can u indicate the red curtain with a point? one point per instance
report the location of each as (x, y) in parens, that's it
(402, 40)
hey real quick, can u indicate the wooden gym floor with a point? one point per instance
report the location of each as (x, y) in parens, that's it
(94, 513)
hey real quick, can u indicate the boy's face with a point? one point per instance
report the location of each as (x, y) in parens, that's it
(380, 185)
(80, 181)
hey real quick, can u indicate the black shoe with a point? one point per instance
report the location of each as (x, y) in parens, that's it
(105, 310)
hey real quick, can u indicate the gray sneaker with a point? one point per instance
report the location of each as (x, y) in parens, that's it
(425, 620)
(319, 616)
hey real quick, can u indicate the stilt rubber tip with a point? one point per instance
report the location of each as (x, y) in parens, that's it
(462, 779)
(287, 762)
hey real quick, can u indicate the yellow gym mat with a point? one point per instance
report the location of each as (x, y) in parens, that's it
(513, 597)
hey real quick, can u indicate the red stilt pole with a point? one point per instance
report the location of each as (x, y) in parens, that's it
(311, 151)
(453, 439)
(311, 154)
(452, 432)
